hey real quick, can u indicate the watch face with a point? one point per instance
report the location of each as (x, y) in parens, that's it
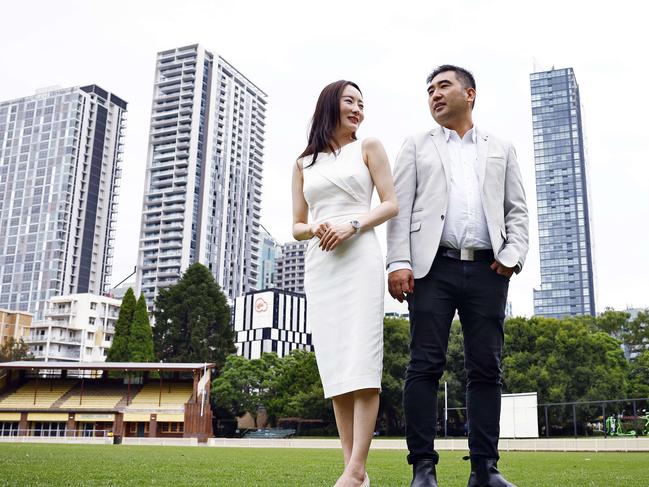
(356, 224)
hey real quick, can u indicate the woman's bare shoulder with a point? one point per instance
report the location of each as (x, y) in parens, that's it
(371, 143)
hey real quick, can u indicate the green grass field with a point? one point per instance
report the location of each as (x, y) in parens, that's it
(78, 465)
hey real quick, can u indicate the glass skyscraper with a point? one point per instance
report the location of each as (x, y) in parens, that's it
(271, 250)
(60, 158)
(565, 241)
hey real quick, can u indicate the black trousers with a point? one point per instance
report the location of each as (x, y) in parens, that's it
(479, 295)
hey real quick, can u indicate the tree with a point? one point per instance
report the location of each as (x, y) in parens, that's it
(192, 320)
(287, 387)
(396, 338)
(454, 373)
(13, 350)
(295, 389)
(636, 335)
(612, 322)
(242, 385)
(140, 345)
(639, 375)
(118, 351)
(563, 360)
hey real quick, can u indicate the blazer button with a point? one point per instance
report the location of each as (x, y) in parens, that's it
(442, 217)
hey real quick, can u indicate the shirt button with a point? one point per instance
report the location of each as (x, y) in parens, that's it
(442, 217)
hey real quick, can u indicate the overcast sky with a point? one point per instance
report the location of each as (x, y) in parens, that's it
(292, 49)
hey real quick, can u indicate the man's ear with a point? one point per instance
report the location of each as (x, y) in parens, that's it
(470, 95)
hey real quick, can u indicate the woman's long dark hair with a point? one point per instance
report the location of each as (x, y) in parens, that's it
(325, 119)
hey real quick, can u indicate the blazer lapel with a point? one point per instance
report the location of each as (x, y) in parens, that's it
(442, 150)
(483, 145)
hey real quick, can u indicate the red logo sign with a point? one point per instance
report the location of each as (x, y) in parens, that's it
(261, 305)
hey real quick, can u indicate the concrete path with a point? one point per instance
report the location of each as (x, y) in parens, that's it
(533, 444)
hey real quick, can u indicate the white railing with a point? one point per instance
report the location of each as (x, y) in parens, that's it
(59, 433)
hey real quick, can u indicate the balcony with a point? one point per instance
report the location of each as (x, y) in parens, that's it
(165, 81)
(174, 208)
(36, 339)
(55, 311)
(65, 340)
(177, 244)
(171, 217)
(161, 183)
(158, 174)
(63, 355)
(152, 211)
(175, 198)
(170, 236)
(172, 226)
(164, 148)
(166, 275)
(165, 160)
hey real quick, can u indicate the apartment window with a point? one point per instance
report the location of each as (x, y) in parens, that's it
(93, 305)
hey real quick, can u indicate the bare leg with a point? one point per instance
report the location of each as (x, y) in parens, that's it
(344, 411)
(366, 407)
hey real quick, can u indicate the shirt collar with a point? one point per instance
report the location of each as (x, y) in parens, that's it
(471, 134)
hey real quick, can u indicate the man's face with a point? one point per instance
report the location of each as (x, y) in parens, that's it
(448, 99)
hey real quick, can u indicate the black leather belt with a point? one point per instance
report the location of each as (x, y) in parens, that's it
(466, 254)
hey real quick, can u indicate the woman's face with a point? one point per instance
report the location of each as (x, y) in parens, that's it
(351, 109)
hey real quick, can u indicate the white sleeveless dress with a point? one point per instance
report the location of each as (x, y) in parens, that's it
(344, 287)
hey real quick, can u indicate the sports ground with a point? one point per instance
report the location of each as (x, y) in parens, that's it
(117, 465)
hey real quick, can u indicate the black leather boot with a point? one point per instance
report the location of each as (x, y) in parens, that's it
(423, 474)
(484, 473)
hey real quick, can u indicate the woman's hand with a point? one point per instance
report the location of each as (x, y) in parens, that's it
(335, 235)
(319, 229)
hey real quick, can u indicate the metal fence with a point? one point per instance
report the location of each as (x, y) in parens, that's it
(611, 417)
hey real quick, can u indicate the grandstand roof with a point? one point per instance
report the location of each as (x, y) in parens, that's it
(173, 367)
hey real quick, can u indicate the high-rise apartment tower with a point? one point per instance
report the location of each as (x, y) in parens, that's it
(202, 195)
(60, 158)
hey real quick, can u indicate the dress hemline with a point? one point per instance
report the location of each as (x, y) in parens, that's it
(353, 384)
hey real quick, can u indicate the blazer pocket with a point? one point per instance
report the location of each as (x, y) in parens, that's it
(415, 226)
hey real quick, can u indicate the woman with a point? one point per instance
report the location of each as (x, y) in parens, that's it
(334, 178)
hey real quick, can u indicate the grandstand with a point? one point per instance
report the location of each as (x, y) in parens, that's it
(156, 396)
(35, 397)
(43, 399)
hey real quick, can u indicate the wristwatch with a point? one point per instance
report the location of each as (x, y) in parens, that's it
(356, 224)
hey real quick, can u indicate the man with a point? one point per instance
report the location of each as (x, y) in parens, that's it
(461, 232)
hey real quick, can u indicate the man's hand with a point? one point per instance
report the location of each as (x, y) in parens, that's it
(400, 283)
(502, 270)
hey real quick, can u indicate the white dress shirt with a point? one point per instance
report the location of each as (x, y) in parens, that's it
(465, 224)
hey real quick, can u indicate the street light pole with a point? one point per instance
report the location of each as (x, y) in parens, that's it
(445, 409)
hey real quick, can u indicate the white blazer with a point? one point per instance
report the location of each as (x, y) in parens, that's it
(422, 175)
